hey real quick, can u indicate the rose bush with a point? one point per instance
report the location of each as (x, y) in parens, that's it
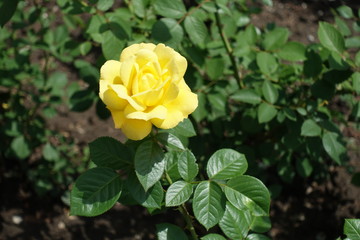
(146, 87)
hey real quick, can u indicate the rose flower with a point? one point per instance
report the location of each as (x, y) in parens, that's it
(146, 87)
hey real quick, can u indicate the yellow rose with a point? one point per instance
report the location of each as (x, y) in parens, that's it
(146, 87)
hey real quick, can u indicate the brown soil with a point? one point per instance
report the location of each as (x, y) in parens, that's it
(308, 211)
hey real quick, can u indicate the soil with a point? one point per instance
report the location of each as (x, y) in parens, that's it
(305, 210)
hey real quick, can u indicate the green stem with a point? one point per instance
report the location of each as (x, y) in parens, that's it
(188, 219)
(228, 48)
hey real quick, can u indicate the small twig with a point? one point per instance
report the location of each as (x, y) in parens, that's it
(188, 219)
(228, 48)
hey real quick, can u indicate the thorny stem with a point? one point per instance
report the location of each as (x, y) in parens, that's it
(229, 50)
(188, 219)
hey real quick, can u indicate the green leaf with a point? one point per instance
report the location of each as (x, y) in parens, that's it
(213, 236)
(167, 31)
(250, 35)
(170, 141)
(104, 5)
(149, 163)
(270, 92)
(178, 193)
(108, 152)
(352, 228)
(266, 62)
(151, 198)
(7, 10)
(96, 21)
(139, 7)
(304, 167)
(226, 164)
(247, 96)
(310, 128)
(292, 51)
(170, 9)
(313, 64)
(57, 81)
(208, 204)
(357, 59)
(50, 153)
(356, 82)
(334, 147)
(353, 42)
(95, 192)
(171, 168)
(255, 236)
(345, 11)
(20, 147)
(214, 67)
(248, 193)
(184, 128)
(290, 114)
(330, 37)
(276, 38)
(111, 46)
(85, 47)
(342, 26)
(167, 231)
(196, 29)
(187, 166)
(266, 112)
(235, 223)
(260, 224)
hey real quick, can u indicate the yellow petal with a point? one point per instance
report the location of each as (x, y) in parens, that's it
(110, 72)
(185, 103)
(121, 91)
(128, 71)
(113, 101)
(136, 129)
(157, 112)
(144, 56)
(118, 118)
(171, 93)
(132, 49)
(168, 56)
(149, 98)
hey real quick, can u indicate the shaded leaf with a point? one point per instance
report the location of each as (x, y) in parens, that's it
(108, 152)
(167, 231)
(149, 163)
(95, 192)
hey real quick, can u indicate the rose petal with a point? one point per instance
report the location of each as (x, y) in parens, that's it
(145, 56)
(112, 100)
(157, 112)
(131, 50)
(171, 93)
(110, 72)
(121, 91)
(185, 103)
(128, 71)
(136, 129)
(168, 56)
(118, 118)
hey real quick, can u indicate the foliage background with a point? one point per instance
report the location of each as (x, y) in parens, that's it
(302, 201)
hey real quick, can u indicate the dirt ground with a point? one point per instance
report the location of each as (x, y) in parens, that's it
(315, 211)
